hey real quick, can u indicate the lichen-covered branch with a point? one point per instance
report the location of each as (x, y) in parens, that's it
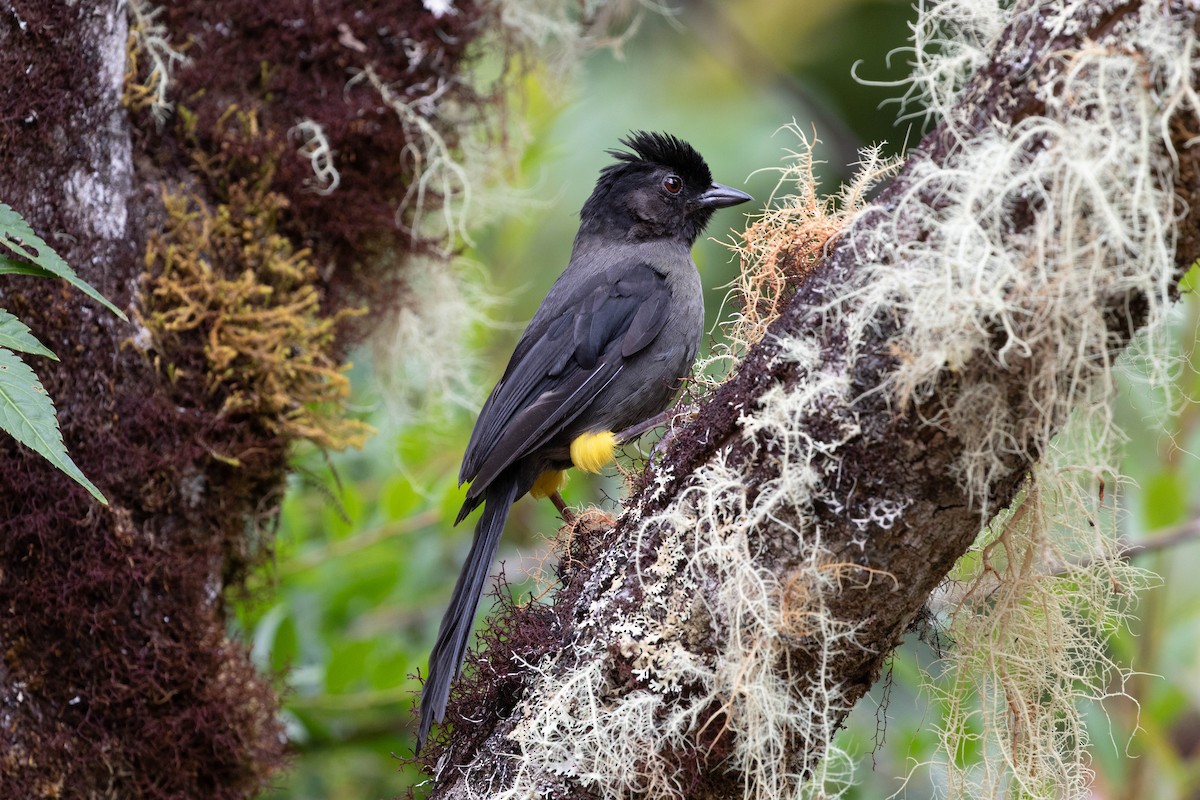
(712, 641)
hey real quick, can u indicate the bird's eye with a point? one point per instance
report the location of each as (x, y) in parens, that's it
(673, 184)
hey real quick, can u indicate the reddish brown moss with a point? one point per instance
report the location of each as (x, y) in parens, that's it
(300, 68)
(116, 679)
(114, 638)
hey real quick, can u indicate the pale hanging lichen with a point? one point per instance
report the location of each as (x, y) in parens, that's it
(315, 147)
(149, 40)
(1044, 587)
(974, 296)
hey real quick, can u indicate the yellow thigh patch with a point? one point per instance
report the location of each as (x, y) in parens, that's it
(591, 452)
(549, 482)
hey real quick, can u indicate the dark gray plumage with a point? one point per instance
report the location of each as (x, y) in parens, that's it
(606, 350)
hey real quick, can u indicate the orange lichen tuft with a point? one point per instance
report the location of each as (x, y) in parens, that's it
(782, 246)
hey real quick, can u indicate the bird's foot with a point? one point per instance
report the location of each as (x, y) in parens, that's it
(568, 516)
(634, 431)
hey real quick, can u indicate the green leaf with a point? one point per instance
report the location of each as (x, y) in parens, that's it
(17, 236)
(16, 336)
(274, 643)
(9, 266)
(397, 497)
(27, 413)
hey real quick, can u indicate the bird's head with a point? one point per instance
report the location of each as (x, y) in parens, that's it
(661, 190)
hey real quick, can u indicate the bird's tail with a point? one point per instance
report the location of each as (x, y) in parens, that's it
(446, 658)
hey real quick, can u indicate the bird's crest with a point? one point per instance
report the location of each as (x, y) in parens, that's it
(665, 150)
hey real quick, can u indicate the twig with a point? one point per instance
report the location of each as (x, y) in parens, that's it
(1170, 537)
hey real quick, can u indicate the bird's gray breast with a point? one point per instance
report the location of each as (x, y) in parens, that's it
(650, 378)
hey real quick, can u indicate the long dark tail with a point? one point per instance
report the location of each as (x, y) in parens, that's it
(446, 658)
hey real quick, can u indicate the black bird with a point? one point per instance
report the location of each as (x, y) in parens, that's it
(607, 349)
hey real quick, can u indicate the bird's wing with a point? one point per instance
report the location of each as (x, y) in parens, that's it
(562, 363)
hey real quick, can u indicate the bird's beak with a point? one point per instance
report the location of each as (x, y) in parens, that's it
(720, 196)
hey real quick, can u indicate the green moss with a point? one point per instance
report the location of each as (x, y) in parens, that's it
(233, 310)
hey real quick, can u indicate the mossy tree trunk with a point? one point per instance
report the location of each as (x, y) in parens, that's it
(645, 611)
(207, 166)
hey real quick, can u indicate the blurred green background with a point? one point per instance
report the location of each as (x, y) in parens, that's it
(365, 555)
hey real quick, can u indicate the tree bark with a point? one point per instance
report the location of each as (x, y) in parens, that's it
(236, 236)
(888, 503)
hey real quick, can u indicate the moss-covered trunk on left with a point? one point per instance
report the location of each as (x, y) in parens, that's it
(117, 678)
(218, 171)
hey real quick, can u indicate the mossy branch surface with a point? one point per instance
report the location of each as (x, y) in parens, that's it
(712, 642)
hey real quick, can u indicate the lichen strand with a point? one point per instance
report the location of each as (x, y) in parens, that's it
(233, 312)
(150, 61)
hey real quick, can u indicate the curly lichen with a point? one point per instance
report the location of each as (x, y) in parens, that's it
(149, 50)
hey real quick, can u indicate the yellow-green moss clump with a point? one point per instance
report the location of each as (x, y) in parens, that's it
(228, 295)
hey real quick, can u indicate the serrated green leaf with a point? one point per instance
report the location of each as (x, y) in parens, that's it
(15, 335)
(9, 266)
(27, 413)
(17, 236)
